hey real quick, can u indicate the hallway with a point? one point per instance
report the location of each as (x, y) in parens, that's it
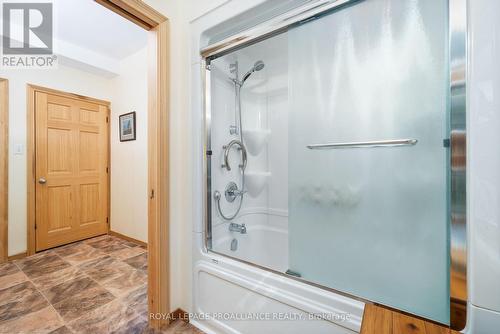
(94, 286)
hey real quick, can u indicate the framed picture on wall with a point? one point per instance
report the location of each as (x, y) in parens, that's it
(127, 126)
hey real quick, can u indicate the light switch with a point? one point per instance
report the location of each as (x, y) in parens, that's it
(18, 149)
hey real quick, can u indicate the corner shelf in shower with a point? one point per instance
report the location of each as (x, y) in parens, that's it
(255, 182)
(255, 140)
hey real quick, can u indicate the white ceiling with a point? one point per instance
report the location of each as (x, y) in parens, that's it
(91, 26)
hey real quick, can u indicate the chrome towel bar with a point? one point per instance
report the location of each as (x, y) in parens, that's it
(364, 144)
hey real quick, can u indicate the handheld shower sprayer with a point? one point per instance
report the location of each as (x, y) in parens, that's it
(258, 66)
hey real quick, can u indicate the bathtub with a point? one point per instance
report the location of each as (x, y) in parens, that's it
(265, 243)
(227, 284)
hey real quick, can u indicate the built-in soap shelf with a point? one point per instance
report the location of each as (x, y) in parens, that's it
(255, 182)
(255, 140)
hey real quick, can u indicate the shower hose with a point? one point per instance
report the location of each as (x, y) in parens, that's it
(218, 196)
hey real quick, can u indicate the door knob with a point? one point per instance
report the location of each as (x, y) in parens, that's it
(42, 180)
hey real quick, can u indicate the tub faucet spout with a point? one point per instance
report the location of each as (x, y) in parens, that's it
(240, 228)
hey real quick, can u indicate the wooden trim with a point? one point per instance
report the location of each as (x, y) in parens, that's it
(18, 256)
(114, 8)
(136, 11)
(4, 169)
(108, 119)
(179, 314)
(30, 170)
(124, 237)
(70, 95)
(158, 175)
(379, 319)
(31, 159)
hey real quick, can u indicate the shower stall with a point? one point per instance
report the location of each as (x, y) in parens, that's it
(334, 151)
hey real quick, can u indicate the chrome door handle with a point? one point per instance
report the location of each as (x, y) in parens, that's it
(362, 144)
(42, 180)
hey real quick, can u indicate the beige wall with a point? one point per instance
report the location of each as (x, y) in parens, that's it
(180, 13)
(129, 160)
(180, 159)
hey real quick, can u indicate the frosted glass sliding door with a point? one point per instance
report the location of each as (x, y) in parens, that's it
(372, 220)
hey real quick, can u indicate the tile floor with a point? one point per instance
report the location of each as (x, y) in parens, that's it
(94, 286)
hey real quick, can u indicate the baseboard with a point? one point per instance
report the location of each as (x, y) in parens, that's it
(179, 314)
(119, 235)
(17, 256)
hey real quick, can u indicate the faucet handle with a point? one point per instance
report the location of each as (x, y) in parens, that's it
(238, 192)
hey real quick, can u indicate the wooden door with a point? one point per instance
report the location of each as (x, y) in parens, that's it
(71, 169)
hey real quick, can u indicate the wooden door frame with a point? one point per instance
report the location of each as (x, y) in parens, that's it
(158, 151)
(4, 169)
(31, 154)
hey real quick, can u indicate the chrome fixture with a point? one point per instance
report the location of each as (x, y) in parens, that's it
(362, 144)
(274, 26)
(227, 149)
(234, 69)
(42, 180)
(293, 273)
(458, 158)
(234, 245)
(232, 192)
(234, 129)
(240, 228)
(258, 66)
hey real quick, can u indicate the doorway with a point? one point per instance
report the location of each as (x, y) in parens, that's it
(71, 161)
(157, 26)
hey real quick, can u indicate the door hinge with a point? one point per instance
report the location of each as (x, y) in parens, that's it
(107, 220)
(107, 119)
(107, 170)
(35, 226)
(152, 194)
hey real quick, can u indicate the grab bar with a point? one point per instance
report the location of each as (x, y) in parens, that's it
(227, 148)
(362, 144)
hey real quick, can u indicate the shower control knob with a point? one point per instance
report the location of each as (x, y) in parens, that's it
(232, 192)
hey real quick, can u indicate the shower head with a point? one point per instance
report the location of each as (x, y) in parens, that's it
(259, 65)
